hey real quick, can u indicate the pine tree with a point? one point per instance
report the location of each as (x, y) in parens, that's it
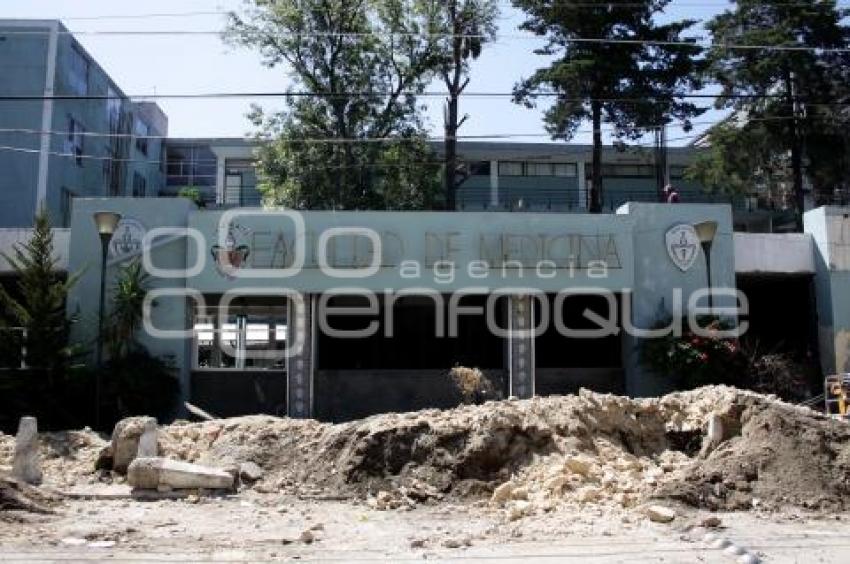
(39, 307)
(789, 91)
(634, 78)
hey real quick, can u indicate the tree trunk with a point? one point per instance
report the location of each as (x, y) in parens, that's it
(796, 154)
(453, 84)
(596, 167)
(451, 150)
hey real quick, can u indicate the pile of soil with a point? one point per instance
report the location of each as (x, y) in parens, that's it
(525, 455)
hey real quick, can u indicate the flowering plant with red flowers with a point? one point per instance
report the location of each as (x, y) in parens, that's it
(696, 360)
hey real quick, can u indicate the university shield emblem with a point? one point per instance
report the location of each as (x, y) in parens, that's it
(682, 245)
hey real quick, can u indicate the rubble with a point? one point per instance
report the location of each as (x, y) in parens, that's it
(162, 474)
(125, 441)
(524, 456)
(659, 514)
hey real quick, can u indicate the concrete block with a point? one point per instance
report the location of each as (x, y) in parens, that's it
(125, 440)
(155, 473)
(147, 442)
(27, 465)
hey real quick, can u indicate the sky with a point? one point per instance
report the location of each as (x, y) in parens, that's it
(202, 63)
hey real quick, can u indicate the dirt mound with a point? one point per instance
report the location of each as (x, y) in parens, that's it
(783, 455)
(527, 455)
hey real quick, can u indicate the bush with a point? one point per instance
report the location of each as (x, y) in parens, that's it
(692, 360)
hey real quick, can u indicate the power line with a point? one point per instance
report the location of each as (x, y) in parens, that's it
(338, 140)
(425, 94)
(499, 37)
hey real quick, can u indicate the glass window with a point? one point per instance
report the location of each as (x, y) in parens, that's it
(74, 140)
(510, 169)
(141, 131)
(565, 169)
(78, 72)
(113, 110)
(139, 185)
(538, 169)
(67, 206)
(254, 338)
(479, 168)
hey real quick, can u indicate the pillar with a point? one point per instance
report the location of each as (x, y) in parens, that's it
(300, 366)
(521, 346)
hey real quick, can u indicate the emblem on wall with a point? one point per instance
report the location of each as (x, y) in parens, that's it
(235, 251)
(682, 245)
(128, 237)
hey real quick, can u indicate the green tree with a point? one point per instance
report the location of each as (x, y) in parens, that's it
(355, 68)
(787, 90)
(737, 160)
(463, 28)
(38, 307)
(634, 85)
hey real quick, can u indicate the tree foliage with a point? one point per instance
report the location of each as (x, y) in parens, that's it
(632, 86)
(38, 306)
(125, 316)
(360, 64)
(783, 97)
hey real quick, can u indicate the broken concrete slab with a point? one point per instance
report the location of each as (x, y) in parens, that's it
(155, 473)
(125, 441)
(27, 464)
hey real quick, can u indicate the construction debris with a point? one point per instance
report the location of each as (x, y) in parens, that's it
(659, 514)
(26, 466)
(715, 448)
(125, 441)
(163, 474)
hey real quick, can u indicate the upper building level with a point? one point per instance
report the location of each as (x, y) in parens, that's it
(536, 177)
(72, 132)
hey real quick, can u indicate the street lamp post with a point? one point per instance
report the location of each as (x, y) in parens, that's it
(705, 233)
(106, 223)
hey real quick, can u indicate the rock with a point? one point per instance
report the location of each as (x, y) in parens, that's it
(147, 442)
(580, 466)
(306, 537)
(711, 522)
(153, 473)
(660, 514)
(27, 465)
(748, 558)
(518, 510)
(502, 493)
(250, 472)
(519, 493)
(417, 543)
(125, 441)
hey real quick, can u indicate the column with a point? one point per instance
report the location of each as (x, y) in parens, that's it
(494, 184)
(300, 366)
(582, 185)
(521, 346)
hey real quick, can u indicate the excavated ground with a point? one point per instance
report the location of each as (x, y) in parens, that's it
(526, 456)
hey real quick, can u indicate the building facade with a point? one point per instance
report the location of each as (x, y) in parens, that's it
(257, 308)
(66, 129)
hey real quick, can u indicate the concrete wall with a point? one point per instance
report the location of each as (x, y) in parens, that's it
(830, 230)
(778, 253)
(169, 312)
(656, 276)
